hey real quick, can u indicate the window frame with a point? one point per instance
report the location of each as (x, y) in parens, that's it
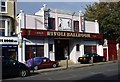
(4, 27)
(76, 26)
(3, 6)
(51, 23)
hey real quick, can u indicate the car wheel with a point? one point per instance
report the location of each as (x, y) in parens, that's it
(23, 73)
(36, 67)
(54, 65)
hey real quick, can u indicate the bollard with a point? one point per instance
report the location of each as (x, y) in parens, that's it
(66, 62)
(91, 61)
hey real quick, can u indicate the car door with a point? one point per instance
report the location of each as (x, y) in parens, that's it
(5, 68)
(9, 67)
(95, 58)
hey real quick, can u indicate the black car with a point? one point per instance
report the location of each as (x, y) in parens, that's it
(11, 67)
(88, 57)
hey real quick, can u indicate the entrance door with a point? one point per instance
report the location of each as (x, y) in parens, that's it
(61, 49)
(105, 53)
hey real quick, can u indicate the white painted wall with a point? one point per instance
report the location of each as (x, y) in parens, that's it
(46, 47)
(117, 46)
(51, 54)
(73, 53)
(91, 27)
(81, 50)
(100, 50)
(34, 22)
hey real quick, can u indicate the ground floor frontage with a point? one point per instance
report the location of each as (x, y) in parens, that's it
(56, 46)
(60, 48)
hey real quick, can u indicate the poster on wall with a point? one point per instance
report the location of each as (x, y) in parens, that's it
(64, 24)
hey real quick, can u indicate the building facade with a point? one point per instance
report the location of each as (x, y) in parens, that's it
(8, 41)
(57, 34)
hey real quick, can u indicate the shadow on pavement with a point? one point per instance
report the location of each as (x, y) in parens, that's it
(99, 77)
(10, 77)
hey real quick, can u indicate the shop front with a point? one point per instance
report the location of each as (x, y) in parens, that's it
(57, 45)
(9, 47)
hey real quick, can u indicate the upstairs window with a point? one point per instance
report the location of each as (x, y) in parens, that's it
(2, 27)
(51, 23)
(76, 26)
(3, 6)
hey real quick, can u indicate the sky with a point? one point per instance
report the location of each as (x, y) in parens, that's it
(33, 7)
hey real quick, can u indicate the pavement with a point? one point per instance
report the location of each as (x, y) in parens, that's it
(70, 66)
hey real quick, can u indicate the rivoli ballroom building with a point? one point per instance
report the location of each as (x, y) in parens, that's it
(57, 34)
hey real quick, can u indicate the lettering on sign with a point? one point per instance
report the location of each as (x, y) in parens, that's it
(67, 34)
(7, 40)
(29, 32)
(11, 50)
(39, 33)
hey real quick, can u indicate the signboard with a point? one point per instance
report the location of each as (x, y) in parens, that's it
(67, 34)
(8, 40)
(28, 32)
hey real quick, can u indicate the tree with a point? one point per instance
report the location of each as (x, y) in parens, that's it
(108, 16)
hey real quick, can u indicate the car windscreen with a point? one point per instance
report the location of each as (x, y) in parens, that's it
(89, 55)
(37, 60)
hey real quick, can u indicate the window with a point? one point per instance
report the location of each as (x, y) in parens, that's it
(30, 49)
(90, 49)
(76, 26)
(50, 47)
(2, 27)
(3, 6)
(77, 47)
(51, 23)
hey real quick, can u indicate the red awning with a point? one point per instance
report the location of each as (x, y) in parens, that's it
(66, 34)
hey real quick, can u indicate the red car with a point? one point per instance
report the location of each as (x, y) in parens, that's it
(41, 62)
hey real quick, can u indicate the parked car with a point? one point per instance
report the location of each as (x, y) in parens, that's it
(88, 57)
(11, 67)
(41, 62)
